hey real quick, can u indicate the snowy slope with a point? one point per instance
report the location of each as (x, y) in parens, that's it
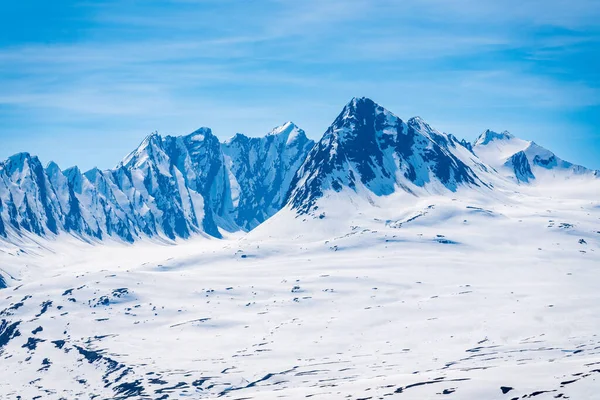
(522, 160)
(454, 299)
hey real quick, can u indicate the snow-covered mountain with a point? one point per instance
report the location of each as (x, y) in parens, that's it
(171, 187)
(523, 160)
(28, 200)
(262, 170)
(168, 187)
(370, 150)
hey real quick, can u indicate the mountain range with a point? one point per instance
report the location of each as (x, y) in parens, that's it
(174, 187)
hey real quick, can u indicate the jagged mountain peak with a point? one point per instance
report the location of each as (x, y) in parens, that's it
(262, 169)
(164, 150)
(358, 101)
(283, 128)
(420, 125)
(199, 135)
(144, 151)
(362, 119)
(370, 150)
(356, 107)
(423, 127)
(71, 171)
(19, 157)
(74, 177)
(152, 138)
(93, 173)
(174, 186)
(21, 163)
(236, 138)
(489, 136)
(416, 120)
(289, 133)
(522, 160)
(360, 122)
(153, 147)
(52, 168)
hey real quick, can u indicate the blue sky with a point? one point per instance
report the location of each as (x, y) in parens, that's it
(82, 82)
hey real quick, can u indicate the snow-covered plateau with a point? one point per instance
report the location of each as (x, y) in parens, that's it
(386, 260)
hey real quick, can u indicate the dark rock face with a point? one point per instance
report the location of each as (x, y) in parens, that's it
(520, 164)
(263, 169)
(524, 160)
(36, 208)
(169, 186)
(369, 146)
(2, 227)
(181, 181)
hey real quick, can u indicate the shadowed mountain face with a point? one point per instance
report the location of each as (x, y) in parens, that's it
(367, 147)
(169, 187)
(28, 198)
(174, 187)
(519, 163)
(262, 169)
(182, 181)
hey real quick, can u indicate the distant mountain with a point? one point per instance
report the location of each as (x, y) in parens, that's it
(262, 169)
(367, 148)
(168, 187)
(522, 160)
(180, 184)
(28, 198)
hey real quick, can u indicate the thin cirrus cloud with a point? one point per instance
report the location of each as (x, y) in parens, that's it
(111, 72)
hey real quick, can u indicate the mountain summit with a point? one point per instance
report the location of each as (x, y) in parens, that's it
(489, 136)
(523, 160)
(367, 148)
(261, 170)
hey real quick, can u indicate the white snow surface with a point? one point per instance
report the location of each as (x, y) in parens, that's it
(496, 149)
(451, 297)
